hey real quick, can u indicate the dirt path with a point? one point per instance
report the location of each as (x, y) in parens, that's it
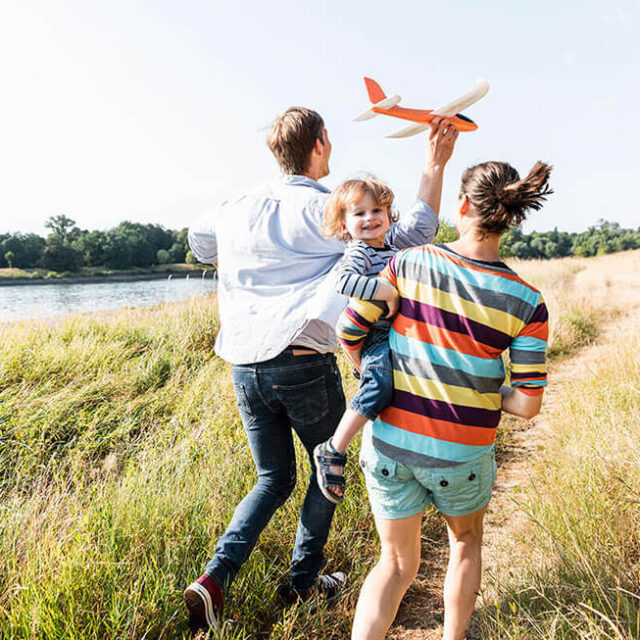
(421, 614)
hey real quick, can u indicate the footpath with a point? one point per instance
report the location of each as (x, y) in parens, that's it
(421, 613)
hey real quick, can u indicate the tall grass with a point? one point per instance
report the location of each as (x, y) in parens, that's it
(122, 458)
(573, 569)
(578, 558)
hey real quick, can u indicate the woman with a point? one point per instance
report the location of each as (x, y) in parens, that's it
(460, 309)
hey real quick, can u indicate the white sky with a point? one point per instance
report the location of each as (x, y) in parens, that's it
(152, 110)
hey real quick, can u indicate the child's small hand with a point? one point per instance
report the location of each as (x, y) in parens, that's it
(389, 294)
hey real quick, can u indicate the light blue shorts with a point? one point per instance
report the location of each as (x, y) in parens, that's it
(398, 490)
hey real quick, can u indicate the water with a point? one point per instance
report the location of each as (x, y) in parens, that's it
(48, 300)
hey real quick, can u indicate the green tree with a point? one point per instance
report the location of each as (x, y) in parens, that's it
(63, 227)
(58, 256)
(9, 257)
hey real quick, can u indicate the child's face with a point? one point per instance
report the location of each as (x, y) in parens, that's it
(366, 221)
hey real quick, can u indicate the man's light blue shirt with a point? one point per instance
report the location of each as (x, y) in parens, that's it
(273, 264)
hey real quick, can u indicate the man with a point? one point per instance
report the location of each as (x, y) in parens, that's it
(277, 316)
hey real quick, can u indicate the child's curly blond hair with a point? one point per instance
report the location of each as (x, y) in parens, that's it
(348, 194)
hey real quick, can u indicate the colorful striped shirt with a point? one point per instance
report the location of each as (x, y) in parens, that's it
(457, 316)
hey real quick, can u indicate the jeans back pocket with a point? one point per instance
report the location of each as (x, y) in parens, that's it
(307, 402)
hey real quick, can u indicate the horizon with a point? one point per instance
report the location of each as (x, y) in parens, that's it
(153, 116)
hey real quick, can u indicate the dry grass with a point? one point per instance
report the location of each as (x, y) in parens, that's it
(116, 436)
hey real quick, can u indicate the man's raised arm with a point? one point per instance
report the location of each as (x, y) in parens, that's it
(419, 225)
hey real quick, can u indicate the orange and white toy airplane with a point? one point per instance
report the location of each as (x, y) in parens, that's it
(388, 107)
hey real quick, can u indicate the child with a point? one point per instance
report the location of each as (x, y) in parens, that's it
(360, 211)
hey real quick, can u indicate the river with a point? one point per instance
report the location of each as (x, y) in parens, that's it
(47, 300)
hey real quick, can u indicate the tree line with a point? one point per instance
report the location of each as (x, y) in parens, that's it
(603, 237)
(131, 244)
(68, 248)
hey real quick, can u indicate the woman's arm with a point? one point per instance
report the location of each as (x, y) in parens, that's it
(520, 404)
(419, 225)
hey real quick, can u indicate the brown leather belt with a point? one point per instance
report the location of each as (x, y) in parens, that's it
(302, 351)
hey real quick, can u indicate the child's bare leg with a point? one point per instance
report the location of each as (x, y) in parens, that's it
(349, 426)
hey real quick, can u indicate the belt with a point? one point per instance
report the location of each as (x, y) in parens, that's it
(297, 350)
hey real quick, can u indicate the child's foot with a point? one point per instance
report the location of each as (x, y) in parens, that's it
(330, 465)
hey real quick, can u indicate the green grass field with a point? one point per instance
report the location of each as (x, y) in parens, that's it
(122, 458)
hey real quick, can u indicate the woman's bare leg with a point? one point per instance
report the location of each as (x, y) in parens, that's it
(462, 583)
(389, 579)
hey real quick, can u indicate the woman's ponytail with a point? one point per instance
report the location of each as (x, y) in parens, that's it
(501, 199)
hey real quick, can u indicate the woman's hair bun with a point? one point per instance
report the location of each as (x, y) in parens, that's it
(500, 197)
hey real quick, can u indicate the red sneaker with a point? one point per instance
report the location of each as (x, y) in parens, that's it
(204, 599)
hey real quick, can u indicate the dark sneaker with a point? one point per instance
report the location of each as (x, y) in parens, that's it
(204, 599)
(331, 585)
(328, 586)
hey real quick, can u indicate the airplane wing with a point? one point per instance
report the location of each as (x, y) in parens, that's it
(478, 91)
(409, 131)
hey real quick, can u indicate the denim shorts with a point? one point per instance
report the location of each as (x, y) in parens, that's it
(397, 490)
(376, 379)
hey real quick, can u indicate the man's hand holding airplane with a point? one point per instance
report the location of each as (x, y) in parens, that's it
(442, 139)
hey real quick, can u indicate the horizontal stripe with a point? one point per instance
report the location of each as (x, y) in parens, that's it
(434, 259)
(439, 429)
(454, 322)
(540, 314)
(356, 318)
(440, 410)
(427, 369)
(531, 391)
(351, 345)
(411, 457)
(437, 390)
(540, 367)
(424, 293)
(528, 343)
(538, 330)
(458, 342)
(527, 357)
(458, 285)
(485, 367)
(424, 445)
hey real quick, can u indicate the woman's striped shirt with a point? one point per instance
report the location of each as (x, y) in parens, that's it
(457, 316)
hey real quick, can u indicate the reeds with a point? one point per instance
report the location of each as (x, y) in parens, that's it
(122, 458)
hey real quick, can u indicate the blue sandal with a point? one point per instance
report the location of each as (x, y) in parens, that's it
(325, 457)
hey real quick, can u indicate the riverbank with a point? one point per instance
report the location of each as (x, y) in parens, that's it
(123, 457)
(93, 275)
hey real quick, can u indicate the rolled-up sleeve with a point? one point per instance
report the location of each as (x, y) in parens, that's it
(528, 353)
(202, 239)
(417, 226)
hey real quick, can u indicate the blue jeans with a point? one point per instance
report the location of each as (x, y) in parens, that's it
(376, 380)
(289, 393)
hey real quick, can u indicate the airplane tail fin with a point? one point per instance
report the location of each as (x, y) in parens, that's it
(376, 94)
(378, 99)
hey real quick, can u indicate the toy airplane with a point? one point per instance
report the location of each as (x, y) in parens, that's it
(387, 107)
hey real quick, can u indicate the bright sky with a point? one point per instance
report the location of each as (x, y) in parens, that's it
(152, 110)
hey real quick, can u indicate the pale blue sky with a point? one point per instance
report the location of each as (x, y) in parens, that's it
(152, 110)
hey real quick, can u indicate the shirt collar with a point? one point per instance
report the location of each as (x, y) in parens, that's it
(303, 181)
